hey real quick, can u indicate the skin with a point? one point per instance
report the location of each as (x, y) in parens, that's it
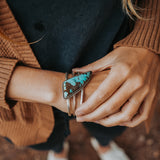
(122, 91)
(129, 93)
(28, 84)
(124, 95)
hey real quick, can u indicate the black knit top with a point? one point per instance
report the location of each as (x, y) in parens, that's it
(72, 32)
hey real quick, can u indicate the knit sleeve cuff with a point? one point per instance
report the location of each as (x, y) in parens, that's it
(146, 33)
(6, 69)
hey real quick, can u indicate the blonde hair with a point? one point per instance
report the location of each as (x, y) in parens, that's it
(130, 9)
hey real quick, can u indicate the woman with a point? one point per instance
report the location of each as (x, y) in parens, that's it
(73, 34)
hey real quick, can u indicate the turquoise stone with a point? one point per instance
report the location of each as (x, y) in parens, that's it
(65, 94)
(73, 85)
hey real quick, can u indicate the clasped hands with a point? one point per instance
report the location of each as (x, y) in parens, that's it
(128, 93)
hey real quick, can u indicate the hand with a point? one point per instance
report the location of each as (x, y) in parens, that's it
(127, 95)
(60, 103)
(28, 84)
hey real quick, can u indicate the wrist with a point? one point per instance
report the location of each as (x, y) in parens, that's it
(57, 99)
(54, 87)
(55, 92)
(31, 85)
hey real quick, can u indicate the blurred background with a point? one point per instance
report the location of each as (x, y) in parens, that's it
(137, 144)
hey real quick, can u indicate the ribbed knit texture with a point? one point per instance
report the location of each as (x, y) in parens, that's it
(23, 123)
(29, 123)
(146, 33)
(6, 69)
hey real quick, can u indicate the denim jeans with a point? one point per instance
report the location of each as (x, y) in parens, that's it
(61, 130)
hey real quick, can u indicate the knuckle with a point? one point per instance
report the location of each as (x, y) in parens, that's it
(125, 69)
(139, 81)
(127, 117)
(147, 89)
(100, 97)
(135, 102)
(144, 118)
(124, 66)
(107, 109)
(114, 107)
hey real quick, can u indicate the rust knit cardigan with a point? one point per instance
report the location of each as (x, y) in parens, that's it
(26, 123)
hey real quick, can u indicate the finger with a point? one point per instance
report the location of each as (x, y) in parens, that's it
(134, 104)
(144, 112)
(98, 65)
(114, 103)
(127, 112)
(105, 90)
(148, 105)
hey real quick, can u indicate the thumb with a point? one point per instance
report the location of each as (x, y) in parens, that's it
(94, 67)
(86, 68)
